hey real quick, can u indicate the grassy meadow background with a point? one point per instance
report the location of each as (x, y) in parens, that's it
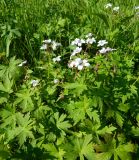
(91, 114)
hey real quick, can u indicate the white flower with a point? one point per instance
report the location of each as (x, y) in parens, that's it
(136, 7)
(105, 50)
(21, 64)
(102, 43)
(75, 42)
(80, 67)
(78, 42)
(89, 35)
(34, 83)
(110, 49)
(109, 5)
(79, 63)
(76, 50)
(75, 63)
(44, 47)
(90, 40)
(82, 41)
(56, 81)
(78, 60)
(85, 63)
(55, 45)
(57, 59)
(47, 41)
(71, 64)
(116, 9)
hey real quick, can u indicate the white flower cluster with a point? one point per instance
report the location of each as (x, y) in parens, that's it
(49, 43)
(109, 5)
(79, 63)
(79, 42)
(89, 39)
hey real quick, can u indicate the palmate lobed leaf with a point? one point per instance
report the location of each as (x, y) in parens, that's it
(7, 84)
(75, 88)
(23, 130)
(110, 148)
(76, 111)
(80, 147)
(24, 100)
(61, 123)
(54, 151)
(104, 156)
(107, 130)
(8, 118)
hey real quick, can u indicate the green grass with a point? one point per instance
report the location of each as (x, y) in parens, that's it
(64, 20)
(87, 113)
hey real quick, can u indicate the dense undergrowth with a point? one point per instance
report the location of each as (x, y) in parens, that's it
(69, 80)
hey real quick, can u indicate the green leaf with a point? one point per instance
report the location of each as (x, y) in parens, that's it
(87, 148)
(24, 100)
(4, 152)
(75, 88)
(8, 117)
(135, 131)
(119, 119)
(23, 130)
(54, 151)
(80, 147)
(123, 151)
(123, 107)
(106, 129)
(76, 111)
(104, 156)
(60, 122)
